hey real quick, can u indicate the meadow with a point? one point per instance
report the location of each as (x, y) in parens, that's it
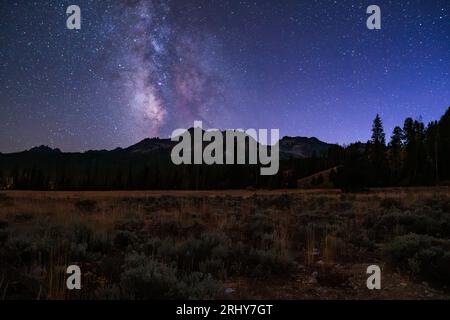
(283, 244)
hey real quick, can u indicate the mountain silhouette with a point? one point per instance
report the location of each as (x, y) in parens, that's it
(144, 165)
(290, 147)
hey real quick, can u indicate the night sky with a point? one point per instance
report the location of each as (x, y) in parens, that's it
(141, 69)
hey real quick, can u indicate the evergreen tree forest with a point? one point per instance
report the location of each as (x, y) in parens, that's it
(414, 154)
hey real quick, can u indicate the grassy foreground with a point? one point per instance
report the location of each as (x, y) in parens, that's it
(226, 244)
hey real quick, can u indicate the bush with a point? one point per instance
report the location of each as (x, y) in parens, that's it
(123, 239)
(269, 262)
(399, 223)
(198, 286)
(100, 243)
(147, 279)
(19, 250)
(171, 228)
(258, 226)
(423, 256)
(245, 260)
(192, 252)
(80, 233)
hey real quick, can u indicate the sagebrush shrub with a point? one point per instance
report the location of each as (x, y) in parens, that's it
(421, 255)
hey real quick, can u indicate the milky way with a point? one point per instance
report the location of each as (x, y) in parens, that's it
(167, 68)
(142, 68)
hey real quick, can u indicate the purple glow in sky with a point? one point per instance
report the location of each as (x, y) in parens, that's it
(142, 68)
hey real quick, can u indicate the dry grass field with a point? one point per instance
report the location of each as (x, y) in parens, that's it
(285, 244)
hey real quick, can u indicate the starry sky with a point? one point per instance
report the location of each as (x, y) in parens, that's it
(142, 68)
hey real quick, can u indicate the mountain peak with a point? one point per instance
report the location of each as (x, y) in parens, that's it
(44, 149)
(302, 147)
(149, 145)
(309, 139)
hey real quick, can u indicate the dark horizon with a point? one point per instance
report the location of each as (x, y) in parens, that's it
(388, 134)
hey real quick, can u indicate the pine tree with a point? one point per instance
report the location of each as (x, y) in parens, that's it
(396, 138)
(377, 154)
(378, 136)
(410, 143)
(395, 152)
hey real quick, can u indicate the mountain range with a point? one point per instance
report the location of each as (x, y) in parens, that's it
(290, 147)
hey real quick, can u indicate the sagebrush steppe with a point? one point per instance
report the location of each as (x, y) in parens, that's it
(283, 244)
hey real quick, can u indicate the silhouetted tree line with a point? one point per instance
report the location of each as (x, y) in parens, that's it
(149, 171)
(415, 155)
